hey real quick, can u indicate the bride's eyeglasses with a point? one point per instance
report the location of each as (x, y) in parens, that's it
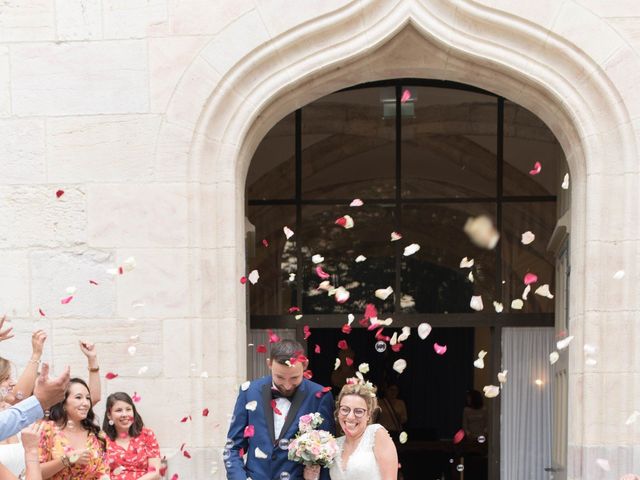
(357, 412)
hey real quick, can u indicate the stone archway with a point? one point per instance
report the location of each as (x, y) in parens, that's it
(222, 116)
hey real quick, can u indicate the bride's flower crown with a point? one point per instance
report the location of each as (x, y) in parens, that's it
(361, 387)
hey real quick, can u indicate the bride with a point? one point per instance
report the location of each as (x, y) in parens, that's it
(366, 451)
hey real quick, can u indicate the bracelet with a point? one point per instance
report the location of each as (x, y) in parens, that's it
(94, 369)
(65, 461)
(37, 362)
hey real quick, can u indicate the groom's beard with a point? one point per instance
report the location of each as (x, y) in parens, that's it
(286, 393)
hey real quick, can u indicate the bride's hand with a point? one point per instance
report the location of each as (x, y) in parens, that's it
(312, 473)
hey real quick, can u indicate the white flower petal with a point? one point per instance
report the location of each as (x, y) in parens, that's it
(565, 182)
(341, 294)
(498, 307)
(502, 376)
(292, 277)
(476, 303)
(317, 258)
(407, 301)
(406, 331)
(466, 262)
(525, 293)
(359, 375)
(383, 293)
(71, 290)
(424, 329)
(143, 370)
(478, 363)
(132, 350)
(590, 349)
(394, 338)
(482, 354)
(395, 236)
(129, 264)
(253, 277)
(470, 277)
(363, 368)
(336, 364)
(517, 304)
(245, 385)
(356, 202)
(527, 237)
(543, 291)
(481, 232)
(411, 249)
(564, 343)
(554, 357)
(403, 437)
(632, 418)
(619, 275)
(399, 365)
(259, 453)
(360, 258)
(350, 318)
(603, 464)
(491, 391)
(287, 232)
(251, 405)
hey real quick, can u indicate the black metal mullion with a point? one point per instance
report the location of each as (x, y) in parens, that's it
(398, 198)
(499, 195)
(298, 203)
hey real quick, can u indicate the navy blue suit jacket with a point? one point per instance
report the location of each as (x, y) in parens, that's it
(304, 401)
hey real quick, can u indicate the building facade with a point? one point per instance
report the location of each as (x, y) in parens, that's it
(146, 114)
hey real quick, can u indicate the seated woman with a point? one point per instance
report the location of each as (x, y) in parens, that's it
(132, 449)
(30, 437)
(71, 445)
(366, 451)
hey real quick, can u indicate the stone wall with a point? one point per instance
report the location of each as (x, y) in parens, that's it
(146, 113)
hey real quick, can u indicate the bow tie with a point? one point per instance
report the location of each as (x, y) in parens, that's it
(275, 394)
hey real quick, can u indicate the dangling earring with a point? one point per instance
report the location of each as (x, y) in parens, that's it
(111, 422)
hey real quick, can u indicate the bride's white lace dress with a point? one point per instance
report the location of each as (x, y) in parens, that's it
(361, 465)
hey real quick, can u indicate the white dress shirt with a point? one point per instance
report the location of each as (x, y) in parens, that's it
(283, 405)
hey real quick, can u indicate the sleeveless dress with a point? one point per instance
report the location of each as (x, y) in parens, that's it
(362, 464)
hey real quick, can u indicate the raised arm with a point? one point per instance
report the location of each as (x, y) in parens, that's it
(26, 382)
(235, 464)
(30, 439)
(95, 387)
(386, 455)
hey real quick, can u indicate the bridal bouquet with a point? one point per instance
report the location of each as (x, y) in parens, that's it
(311, 446)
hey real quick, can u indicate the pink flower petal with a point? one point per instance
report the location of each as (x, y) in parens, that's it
(348, 361)
(59, 193)
(308, 374)
(249, 431)
(342, 345)
(322, 392)
(395, 236)
(66, 300)
(273, 338)
(321, 273)
(135, 397)
(265, 242)
(186, 454)
(345, 221)
(317, 349)
(294, 309)
(307, 331)
(275, 408)
(530, 278)
(205, 412)
(440, 349)
(397, 347)
(41, 312)
(457, 438)
(346, 329)
(537, 168)
(111, 375)
(370, 311)
(406, 96)
(243, 280)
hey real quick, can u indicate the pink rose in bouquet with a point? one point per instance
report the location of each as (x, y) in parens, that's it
(311, 446)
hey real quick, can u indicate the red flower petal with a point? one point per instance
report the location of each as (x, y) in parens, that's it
(307, 331)
(174, 476)
(457, 438)
(348, 361)
(186, 454)
(265, 242)
(273, 338)
(184, 420)
(243, 280)
(135, 397)
(308, 374)
(182, 446)
(294, 309)
(163, 471)
(322, 392)
(346, 329)
(66, 300)
(406, 95)
(249, 431)
(370, 311)
(397, 347)
(261, 349)
(321, 273)
(317, 349)
(120, 270)
(275, 408)
(59, 193)
(341, 221)
(241, 452)
(342, 345)
(41, 312)
(205, 412)
(364, 322)
(93, 282)
(110, 375)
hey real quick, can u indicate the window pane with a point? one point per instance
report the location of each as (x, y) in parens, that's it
(519, 259)
(528, 140)
(449, 140)
(432, 276)
(340, 247)
(348, 146)
(274, 293)
(272, 174)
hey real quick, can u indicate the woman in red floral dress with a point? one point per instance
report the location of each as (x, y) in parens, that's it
(132, 449)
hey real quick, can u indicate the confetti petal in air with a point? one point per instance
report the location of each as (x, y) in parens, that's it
(135, 397)
(259, 453)
(245, 386)
(294, 309)
(406, 331)
(317, 349)
(307, 331)
(479, 362)
(498, 307)
(481, 232)
(525, 293)
(411, 249)
(399, 365)
(395, 236)
(397, 347)
(406, 96)
(424, 329)
(345, 221)
(350, 318)
(336, 364)
(342, 345)
(132, 350)
(565, 182)
(346, 329)
(440, 349)
(261, 349)
(249, 431)
(317, 258)
(275, 408)
(185, 420)
(458, 437)
(321, 273)
(491, 391)
(265, 242)
(476, 303)
(590, 349)
(394, 338)
(292, 277)
(205, 412)
(93, 282)
(470, 277)
(251, 406)
(383, 293)
(186, 454)
(517, 304)
(603, 464)
(403, 437)
(41, 312)
(363, 368)
(59, 193)
(632, 418)
(466, 262)
(564, 343)
(273, 338)
(143, 370)
(407, 301)
(66, 300)
(543, 291)
(619, 275)
(356, 202)
(129, 264)
(348, 361)
(527, 238)
(530, 278)
(111, 376)
(287, 232)
(341, 295)
(537, 168)
(360, 258)
(322, 392)
(502, 376)
(554, 357)
(243, 280)
(253, 277)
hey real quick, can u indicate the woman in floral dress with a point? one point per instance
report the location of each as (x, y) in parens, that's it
(71, 445)
(132, 449)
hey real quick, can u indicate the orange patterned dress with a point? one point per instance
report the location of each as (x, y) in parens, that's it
(133, 462)
(54, 443)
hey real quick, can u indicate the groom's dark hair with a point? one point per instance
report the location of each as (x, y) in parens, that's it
(284, 350)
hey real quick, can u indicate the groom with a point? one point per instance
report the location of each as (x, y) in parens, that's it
(266, 416)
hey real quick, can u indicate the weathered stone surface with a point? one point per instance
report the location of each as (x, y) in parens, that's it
(78, 19)
(153, 215)
(5, 82)
(27, 21)
(106, 147)
(18, 349)
(33, 216)
(53, 271)
(79, 78)
(14, 283)
(22, 150)
(132, 18)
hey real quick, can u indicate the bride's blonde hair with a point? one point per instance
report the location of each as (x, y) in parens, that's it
(363, 389)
